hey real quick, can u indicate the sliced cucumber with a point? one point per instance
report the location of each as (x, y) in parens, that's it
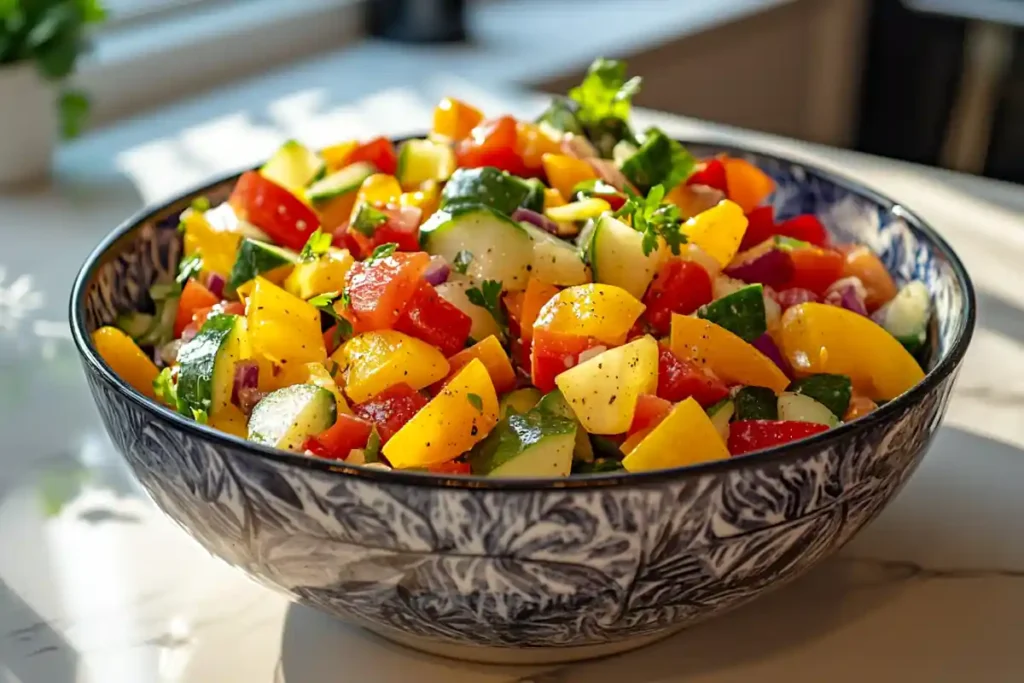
(156, 329)
(483, 323)
(535, 200)
(742, 312)
(605, 449)
(554, 403)
(906, 316)
(535, 444)
(803, 408)
(721, 413)
(340, 182)
(293, 166)
(558, 263)
(488, 186)
(659, 160)
(616, 256)
(423, 160)
(519, 401)
(287, 417)
(756, 403)
(832, 391)
(255, 258)
(206, 371)
(622, 151)
(502, 249)
(600, 466)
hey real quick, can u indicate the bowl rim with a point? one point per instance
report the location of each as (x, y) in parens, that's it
(889, 410)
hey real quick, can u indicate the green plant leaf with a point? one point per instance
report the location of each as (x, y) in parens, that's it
(73, 109)
(93, 11)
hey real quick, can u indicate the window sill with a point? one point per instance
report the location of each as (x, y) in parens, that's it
(140, 66)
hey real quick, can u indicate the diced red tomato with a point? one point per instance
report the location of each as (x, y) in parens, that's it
(639, 329)
(520, 351)
(680, 378)
(450, 467)
(760, 227)
(711, 173)
(434, 320)
(554, 353)
(380, 152)
(650, 410)
(492, 143)
(746, 436)
(391, 409)
(335, 442)
(815, 268)
(679, 287)
(380, 290)
(274, 210)
(401, 228)
(793, 296)
(806, 228)
(194, 297)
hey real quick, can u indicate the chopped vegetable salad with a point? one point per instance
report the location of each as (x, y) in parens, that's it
(512, 298)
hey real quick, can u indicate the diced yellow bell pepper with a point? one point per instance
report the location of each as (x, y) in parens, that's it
(564, 172)
(126, 359)
(463, 413)
(728, 356)
(605, 312)
(718, 231)
(335, 211)
(533, 142)
(336, 156)
(316, 374)
(231, 420)
(821, 338)
(748, 185)
(552, 198)
(603, 390)
(685, 437)
(217, 247)
(379, 187)
(325, 274)
(427, 198)
(374, 361)
(283, 328)
(581, 210)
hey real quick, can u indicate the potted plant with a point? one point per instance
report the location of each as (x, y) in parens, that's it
(40, 42)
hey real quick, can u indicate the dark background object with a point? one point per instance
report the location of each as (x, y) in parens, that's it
(1006, 146)
(417, 21)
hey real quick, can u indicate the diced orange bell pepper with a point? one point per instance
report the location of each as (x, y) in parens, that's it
(728, 356)
(601, 311)
(553, 198)
(374, 361)
(536, 295)
(862, 263)
(463, 413)
(217, 247)
(194, 297)
(748, 185)
(565, 172)
(859, 407)
(820, 338)
(718, 231)
(336, 156)
(490, 352)
(454, 119)
(126, 359)
(532, 143)
(379, 187)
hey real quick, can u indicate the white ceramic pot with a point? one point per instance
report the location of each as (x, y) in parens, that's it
(28, 124)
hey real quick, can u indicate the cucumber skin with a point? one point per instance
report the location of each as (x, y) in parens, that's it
(756, 403)
(741, 312)
(197, 360)
(488, 186)
(255, 258)
(832, 391)
(515, 435)
(283, 438)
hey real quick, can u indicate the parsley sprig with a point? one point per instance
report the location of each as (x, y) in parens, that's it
(462, 261)
(382, 252)
(368, 219)
(316, 246)
(488, 297)
(654, 219)
(325, 304)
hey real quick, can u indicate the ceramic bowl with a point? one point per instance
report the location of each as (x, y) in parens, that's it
(542, 570)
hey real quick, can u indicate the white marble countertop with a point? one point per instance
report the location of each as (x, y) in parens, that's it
(97, 587)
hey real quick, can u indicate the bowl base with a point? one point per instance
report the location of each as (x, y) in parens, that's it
(481, 654)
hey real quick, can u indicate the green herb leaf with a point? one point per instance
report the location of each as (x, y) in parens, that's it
(73, 109)
(324, 300)
(342, 332)
(462, 261)
(368, 219)
(382, 252)
(325, 304)
(372, 450)
(165, 386)
(189, 268)
(488, 296)
(316, 246)
(333, 368)
(200, 415)
(657, 221)
(605, 92)
(476, 402)
(346, 299)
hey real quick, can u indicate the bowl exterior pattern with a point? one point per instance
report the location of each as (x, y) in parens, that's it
(541, 568)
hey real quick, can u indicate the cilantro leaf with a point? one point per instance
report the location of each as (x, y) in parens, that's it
(166, 388)
(325, 304)
(372, 451)
(346, 299)
(382, 252)
(323, 300)
(488, 297)
(476, 402)
(605, 92)
(656, 220)
(317, 245)
(368, 219)
(462, 261)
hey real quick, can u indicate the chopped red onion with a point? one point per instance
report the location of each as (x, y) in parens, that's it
(247, 376)
(537, 219)
(248, 398)
(848, 293)
(773, 267)
(215, 283)
(438, 271)
(766, 345)
(793, 296)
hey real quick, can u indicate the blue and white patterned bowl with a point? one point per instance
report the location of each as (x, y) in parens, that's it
(531, 571)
